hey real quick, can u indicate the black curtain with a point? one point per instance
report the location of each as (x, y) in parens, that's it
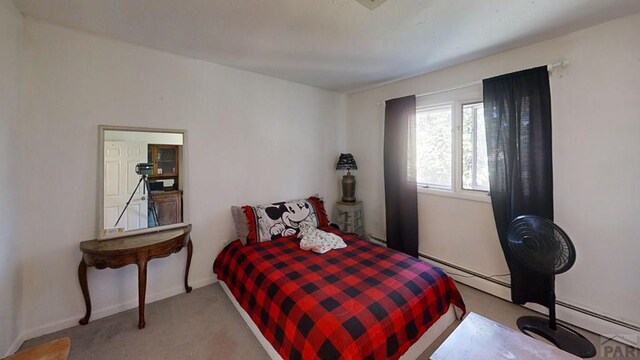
(401, 194)
(517, 110)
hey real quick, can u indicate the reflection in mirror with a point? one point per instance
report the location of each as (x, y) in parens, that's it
(143, 180)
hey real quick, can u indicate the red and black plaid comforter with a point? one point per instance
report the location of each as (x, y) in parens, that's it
(362, 302)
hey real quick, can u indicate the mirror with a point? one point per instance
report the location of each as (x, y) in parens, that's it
(142, 176)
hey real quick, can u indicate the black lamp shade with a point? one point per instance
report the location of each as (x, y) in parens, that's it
(346, 162)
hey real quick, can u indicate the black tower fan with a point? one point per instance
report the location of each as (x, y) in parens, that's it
(543, 247)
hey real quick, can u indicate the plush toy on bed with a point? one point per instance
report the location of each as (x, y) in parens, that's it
(317, 240)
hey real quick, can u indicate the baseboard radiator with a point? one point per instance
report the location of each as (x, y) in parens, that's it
(572, 307)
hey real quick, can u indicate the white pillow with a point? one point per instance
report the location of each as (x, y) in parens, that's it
(319, 241)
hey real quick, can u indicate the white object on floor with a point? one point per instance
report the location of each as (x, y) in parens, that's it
(412, 353)
(480, 338)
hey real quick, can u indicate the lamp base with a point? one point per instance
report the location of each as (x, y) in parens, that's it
(348, 188)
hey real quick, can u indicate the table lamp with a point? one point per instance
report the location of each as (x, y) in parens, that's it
(347, 162)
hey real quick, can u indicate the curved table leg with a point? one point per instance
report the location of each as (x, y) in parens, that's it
(142, 289)
(82, 277)
(188, 288)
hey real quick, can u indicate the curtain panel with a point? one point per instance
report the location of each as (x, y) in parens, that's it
(518, 126)
(401, 194)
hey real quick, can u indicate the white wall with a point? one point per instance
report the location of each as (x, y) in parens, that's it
(11, 26)
(251, 139)
(146, 137)
(596, 132)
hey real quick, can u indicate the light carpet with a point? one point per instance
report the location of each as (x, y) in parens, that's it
(205, 325)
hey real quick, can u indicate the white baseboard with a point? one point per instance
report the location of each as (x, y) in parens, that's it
(574, 317)
(101, 313)
(20, 339)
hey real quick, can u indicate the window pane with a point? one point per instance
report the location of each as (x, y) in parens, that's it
(475, 170)
(433, 146)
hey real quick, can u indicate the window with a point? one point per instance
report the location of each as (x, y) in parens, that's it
(451, 149)
(475, 170)
(433, 147)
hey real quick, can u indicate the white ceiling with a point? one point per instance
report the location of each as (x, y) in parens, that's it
(332, 44)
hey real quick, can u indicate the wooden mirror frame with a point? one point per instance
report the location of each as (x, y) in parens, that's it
(101, 235)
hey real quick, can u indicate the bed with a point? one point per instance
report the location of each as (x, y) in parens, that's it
(361, 302)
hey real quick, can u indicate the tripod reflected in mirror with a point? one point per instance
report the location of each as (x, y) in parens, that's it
(144, 170)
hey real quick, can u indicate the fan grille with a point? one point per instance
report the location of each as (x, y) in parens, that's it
(540, 245)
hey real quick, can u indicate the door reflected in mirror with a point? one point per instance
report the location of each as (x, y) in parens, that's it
(143, 178)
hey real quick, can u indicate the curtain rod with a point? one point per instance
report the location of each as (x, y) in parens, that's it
(550, 67)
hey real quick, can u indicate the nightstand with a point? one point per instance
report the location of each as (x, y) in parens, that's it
(349, 217)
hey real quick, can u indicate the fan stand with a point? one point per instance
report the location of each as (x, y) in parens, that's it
(561, 336)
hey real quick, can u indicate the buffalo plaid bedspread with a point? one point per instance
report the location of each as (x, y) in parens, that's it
(362, 302)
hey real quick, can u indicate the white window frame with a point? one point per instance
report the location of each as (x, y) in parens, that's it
(475, 150)
(456, 101)
(451, 105)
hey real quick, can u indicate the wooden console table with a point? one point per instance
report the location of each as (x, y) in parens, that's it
(136, 249)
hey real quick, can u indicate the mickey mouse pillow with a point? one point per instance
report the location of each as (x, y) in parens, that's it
(283, 219)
